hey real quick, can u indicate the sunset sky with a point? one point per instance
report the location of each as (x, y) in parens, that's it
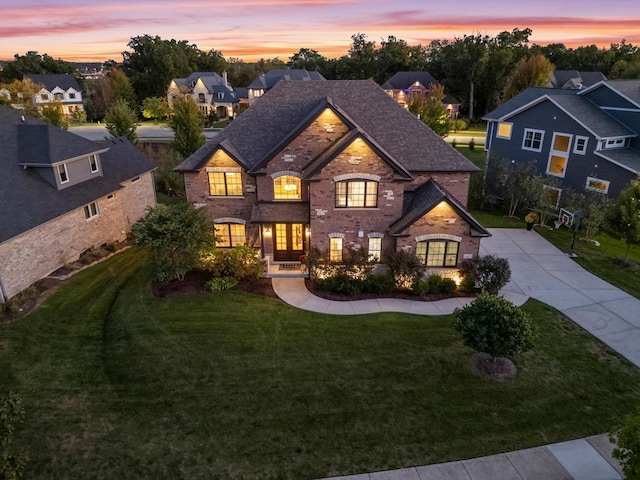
(84, 30)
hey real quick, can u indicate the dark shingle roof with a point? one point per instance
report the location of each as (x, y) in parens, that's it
(582, 109)
(403, 80)
(574, 79)
(272, 77)
(64, 81)
(629, 88)
(626, 157)
(27, 200)
(423, 200)
(274, 117)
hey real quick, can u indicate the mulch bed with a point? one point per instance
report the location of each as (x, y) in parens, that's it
(194, 281)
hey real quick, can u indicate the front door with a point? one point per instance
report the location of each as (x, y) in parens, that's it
(289, 242)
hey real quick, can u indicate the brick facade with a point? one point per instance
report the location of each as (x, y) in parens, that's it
(38, 252)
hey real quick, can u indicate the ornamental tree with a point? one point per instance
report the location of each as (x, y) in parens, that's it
(175, 235)
(626, 437)
(121, 121)
(494, 325)
(624, 216)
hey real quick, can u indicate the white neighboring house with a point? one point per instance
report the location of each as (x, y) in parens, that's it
(210, 91)
(62, 88)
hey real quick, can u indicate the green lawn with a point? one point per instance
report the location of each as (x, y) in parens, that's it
(119, 384)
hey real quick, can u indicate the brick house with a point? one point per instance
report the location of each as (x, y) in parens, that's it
(210, 91)
(60, 195)
(335, 164)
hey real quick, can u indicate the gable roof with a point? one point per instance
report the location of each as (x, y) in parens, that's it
(629, 89)
(423, 200)
(627, 158)
(62, 80)
(258, 131)
(27, 200)
(581, 109)
(268, 80)
(574, 79)
(404, 80)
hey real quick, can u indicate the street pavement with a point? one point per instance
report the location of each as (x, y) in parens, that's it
(541, 271)
(98, 133)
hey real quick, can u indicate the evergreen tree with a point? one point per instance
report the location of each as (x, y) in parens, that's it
(187, 124)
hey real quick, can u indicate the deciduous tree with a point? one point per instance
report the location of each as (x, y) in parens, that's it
(431, 110)
(156, 108)
(121, 121)
(187, 124)
(534, 71)
(624, 216)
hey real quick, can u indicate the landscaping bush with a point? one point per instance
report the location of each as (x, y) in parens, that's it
(340, 283)
(494, 325)
(434, 284)
(460, 124)
(405, 268)
(467, 285)
(472, 144)
(241, 262)
(219, 284)
(626, 437)
(488, 272)
(378, 284)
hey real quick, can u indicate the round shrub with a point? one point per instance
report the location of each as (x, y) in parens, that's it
(379, 284)
(340, 283)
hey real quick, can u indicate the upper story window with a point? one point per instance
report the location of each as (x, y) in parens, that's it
(72, 95)
(580, 145)
(220, 95)
(201, 97)
(559, 155)
(58, 97)
(225, 184)
(356, 193)
(62, 173)
(532, 140)
(287, 187)
(504, 130)
(616, 143)
(438, 253)
(93, 163)
(91, 210)
(44, 96)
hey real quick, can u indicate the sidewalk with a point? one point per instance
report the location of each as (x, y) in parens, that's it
(541, 271)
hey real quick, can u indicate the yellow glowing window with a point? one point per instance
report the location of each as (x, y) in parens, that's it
(375, 249)
(225, 184)
(438, 253)
(597, 185)
(358, 193)
(561, 143)
(335, 249)
(551, 196)
(230, 235)
(557, 164)
(286, 187)
(504, 130)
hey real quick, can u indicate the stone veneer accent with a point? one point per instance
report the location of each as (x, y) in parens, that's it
(38, 252)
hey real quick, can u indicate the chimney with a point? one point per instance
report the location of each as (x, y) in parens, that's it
(224, 79)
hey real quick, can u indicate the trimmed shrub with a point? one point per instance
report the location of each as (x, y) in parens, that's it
(405, 268)
(219, 284)
(472, 144)
(438, 284)
(340, 283)
(495, 326)
(241, 262)
(626, 437)
(378, 284)
(488, 272)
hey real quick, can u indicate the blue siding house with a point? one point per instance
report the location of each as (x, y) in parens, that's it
(587, 138)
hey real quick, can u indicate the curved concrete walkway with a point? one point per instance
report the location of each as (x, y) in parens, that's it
(541, 271)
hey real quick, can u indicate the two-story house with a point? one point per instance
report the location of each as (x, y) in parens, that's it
(266, 81)
(335, 164)
(403, 86)
(587, 138)
(62, 89)
(61, 194)
(210, 91)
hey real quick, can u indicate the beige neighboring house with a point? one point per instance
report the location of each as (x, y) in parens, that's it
(210, 91)
(61, 194)
(60, 88)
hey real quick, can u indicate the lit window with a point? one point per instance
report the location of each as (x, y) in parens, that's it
(438, 253)
(559, 154)
(580, 145)
(225, 184)
(597, 185)
(356, 193)
(91, 210)
(375, 249)
(532, 140)
(335, 249)
(286, 187)
(93, 163)
(62, 173)
(504, 130)
(230, 235)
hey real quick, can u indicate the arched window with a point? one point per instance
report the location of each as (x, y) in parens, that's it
(286, 187)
